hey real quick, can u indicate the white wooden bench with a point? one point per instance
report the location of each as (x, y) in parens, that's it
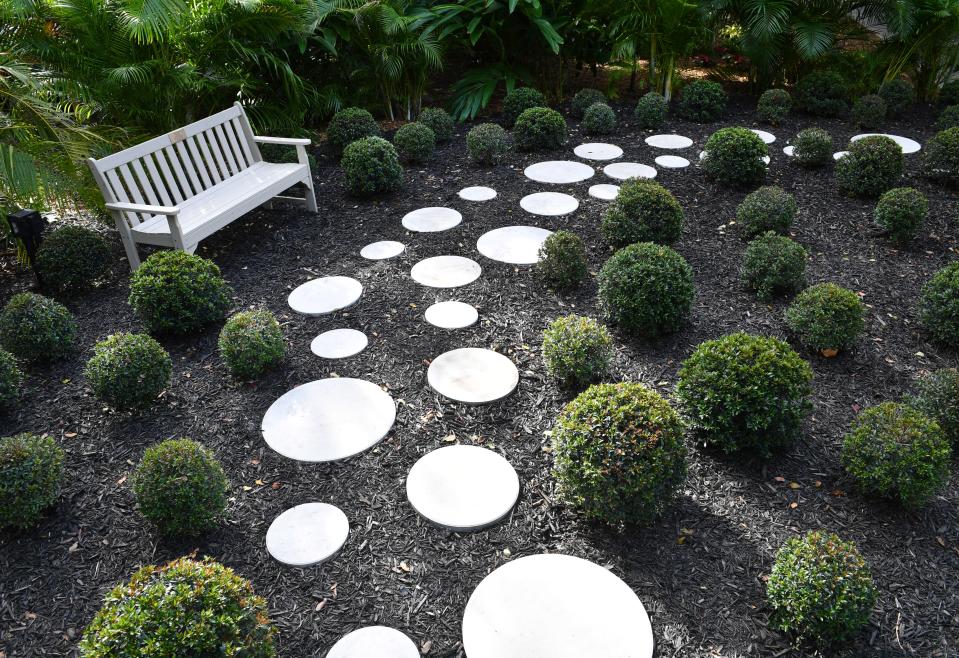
(179, 188)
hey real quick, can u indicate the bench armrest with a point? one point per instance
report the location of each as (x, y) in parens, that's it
(283, 141)
(137, 207)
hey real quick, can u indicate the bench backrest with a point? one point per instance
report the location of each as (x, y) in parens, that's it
(171, 168)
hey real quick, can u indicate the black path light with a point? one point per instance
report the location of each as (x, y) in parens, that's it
(27, 226)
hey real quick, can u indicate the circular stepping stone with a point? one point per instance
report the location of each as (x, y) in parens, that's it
(767, 137)
(604, 191)
(374, 642)
(307, 534)
(451, 315)
(462, 488)
(524, 609)
(325, 295)
(339, 343)
(431, 220)
(907, 145)
(479, 193)
(472, 375)
(382, 250)
(839, 154)
(766, 159)
(668, 141)
(672, 161)
(560, 172)
(328, 419)
(517, 245)
(549, 204)
(789, 150)
(598, 151)
(446, 271)
(624, 170)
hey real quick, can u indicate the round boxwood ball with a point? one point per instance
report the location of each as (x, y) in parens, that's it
(939, 305)
(827, 318)
(901, 212)
(599, 119)
(415, 142)
(774, 105)
(129, 371)
(176, 292)
(619, 454)
(71, 260)
(899, 95)
(644, 211)
(895, 451)
(948, 118)
(813, 147)
(439, 121)
(251, 342)
(518, 101)
(869, 111)
(372, 166)
(37, 329)
(585, 99)
(576, 350)
(487, 143)
(562, 260)
(872, 166)
(651, 110)
(702, 101)
(941, 157)
(822, 93)
(820, 588)
(185, 608)
(11, 380)
(31, 470)
(774, 265)
(349, 125)
(539, 129)
(769, 208)
(745, 393)
(938, 398)
(734, 156)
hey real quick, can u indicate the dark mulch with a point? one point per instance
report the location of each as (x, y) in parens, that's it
(700, 571)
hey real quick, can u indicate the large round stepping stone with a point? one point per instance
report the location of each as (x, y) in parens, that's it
(789, 150)
(624, 170)
(907, 145)
(767, 137)
(472, 375)
(307, 534)
(325, 295)
(374, 642)
(339, 343)
(604, 191)
(478, 193)
(446, 271)
(329, 419)
(672, 161)
(462, 488)
(382, 250)
(598, 151)
(517, 245)
(451, 315)
(560, 172)
(668, 141)
(549, 204)
(432, 220)
(527, 609)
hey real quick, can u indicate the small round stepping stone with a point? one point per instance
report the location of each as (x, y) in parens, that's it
(382, 250)
(598, 151)
(446, 271)
(839, 155)
(328, 419)
(767, 137)
(374, 642)
(462, 488)
(549, 204)
(524, 609)
(451, 315)
(766, 159)
(432, 220)
(517, 245)
(307, 534)
(907, 145)
(672, 161)
(668, 141)
(339, 343)
(325, 295)
(472, 375)
(478, 193)
(789, 150)
(604, 191)
(559, 172)
(624, 170)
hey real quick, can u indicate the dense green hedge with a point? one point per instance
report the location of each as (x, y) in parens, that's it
(128, 371)
(769, 208)
(487, 143)
(703, 101)
(72, 259)
(539, 129)
(31, 470)
(734, 156)
(774, 265)
(372, 166)
(562, 260)
(643, 211)
(37, 329)
(250, 343)
(827, 317)
(576, 350)
(349, 125)
(872, 166)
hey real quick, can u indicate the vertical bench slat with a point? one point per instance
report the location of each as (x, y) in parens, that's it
(241, 159)
(120, 194)
(248, 133)
(241, 137)
(146, 185)
(209, 138)
(173, 182)
(203, 162)
(162, 187)
(126, 177)
(225, 148)
(184, 152)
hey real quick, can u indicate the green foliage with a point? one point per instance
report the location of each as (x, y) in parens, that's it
(869, 111)
(251, 342)
(651, 110)
(129, 371)
(872, 166)
(439, 121)
(901, 212)
(949, 93)
(31, 470)
(897, 452)
(647, 289)
(576, 350)
(177, 292)
(774, 265)
(703, 101)
(585, 99)
(599, 119)
(948, 118)
(539, 129)
(745, 393)
(372, 166)
(774, 105)
(939, 305)
(822, 93)
(37, 329)
(349, 125)
(734, 156)
(820, 588)
(180, 487)
(813, 147)
(619, 454)
(938, 398)
(899, 96)
(185, 608)
(71, 259)
(643, 211)
(518, 101)
(11, 380)
(562, 260)
(826, 317)
(769, 208)
(941, 157)
(487, 143)
(415, 142)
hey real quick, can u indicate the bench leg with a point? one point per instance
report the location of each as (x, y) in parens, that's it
(191, 248)
(310, 197)
(129, 245)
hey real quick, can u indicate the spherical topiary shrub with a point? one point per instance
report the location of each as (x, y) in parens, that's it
(585, 99)
(702, 101)
(820, 588)
(813, 147)
(900, 212)
(939, 305)
(734, 156)
(774, 265)
(177, 292)
(576, 350)
(415, 142)
(869, 111)
(619, 454)
(949, 118)
(769, 208)
(180, 487)
(941, 159)
(71, 260)
(599, 119)
(128, 371)
(11, 379)
(518, 101)
(822, 93)
(774, 105)
(651, 110)
(745, 393)
(372, 166)
(897, 452)
(938, 398)
(647, 289)
(439, 121)
(31, 469)
(643, 211)
(562, 260)
(349, 125)
(185, 608)
(539, 128)
(826, 318)
(899, 96)
(36, 328)
(487, 143)
(250, 342)
(872, 166)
